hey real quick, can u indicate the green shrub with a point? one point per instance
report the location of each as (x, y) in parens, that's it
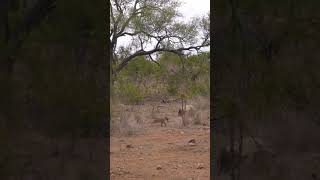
(129, 92)
(173, 85)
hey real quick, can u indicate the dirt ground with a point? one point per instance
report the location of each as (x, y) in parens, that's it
(155, 152)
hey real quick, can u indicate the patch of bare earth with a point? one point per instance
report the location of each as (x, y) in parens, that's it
(156, 152)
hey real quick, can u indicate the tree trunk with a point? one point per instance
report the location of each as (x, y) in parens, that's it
(232, 137)
(7, 65)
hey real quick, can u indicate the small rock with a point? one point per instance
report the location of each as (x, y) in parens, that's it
(129, 146)
(192, 142)
(181, 132)
(141, 159)
(200, 166)
(159, 167)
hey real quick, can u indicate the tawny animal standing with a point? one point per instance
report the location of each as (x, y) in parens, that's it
(162, 121)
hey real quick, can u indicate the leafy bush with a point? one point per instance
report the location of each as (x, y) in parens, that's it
(173, 85)
(129, 92)
(167, 77)
(198, 88)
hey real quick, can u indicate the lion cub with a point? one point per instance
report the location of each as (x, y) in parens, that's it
(162, 121)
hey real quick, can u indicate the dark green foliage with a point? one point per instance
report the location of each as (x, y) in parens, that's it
(140, 68)
(142, 77)
(129, 92)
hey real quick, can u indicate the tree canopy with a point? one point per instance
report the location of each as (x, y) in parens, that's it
(153, 27)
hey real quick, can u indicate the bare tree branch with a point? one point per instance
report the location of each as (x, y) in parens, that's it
(142, 53)
(151, 58)
(153, 23)
(134, 13)
(118, 6)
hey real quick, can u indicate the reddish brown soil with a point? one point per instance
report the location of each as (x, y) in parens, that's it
(162, 153)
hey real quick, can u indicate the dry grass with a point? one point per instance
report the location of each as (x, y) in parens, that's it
(128, 125)
(127, 120)
(123, 120)
(198, 118)
(202, 110)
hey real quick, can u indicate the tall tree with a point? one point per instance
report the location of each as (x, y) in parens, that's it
(153, 27)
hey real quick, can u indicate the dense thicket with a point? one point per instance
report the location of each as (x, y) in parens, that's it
(143, 78)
